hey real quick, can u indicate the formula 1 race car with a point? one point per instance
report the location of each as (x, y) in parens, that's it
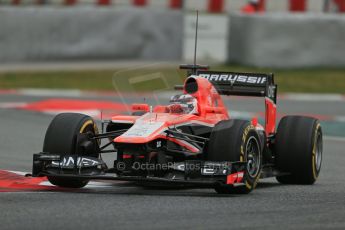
(192, 141)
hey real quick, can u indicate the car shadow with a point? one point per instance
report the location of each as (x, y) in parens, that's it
(130, 188)
(266, 185)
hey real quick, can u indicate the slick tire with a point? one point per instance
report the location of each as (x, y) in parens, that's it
(61, 138)
(236, 140)
(298, 150)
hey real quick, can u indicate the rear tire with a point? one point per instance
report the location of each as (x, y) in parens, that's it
(299, 150)
(61, 138)
(236, 140)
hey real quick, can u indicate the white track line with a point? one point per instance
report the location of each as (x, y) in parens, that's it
(17, 172)
(92, 184)
(11, 105)
(51, 92)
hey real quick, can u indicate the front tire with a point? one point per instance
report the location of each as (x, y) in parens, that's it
(299, 150)
(237, 140)
(61, 138)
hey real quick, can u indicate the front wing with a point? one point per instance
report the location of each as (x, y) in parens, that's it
(198, 173)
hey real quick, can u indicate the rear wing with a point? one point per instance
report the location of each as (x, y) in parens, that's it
(242, 84)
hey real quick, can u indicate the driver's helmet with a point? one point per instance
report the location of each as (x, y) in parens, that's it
(184, 103)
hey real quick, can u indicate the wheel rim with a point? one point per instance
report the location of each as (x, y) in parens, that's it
(318, 152)
(253, 157)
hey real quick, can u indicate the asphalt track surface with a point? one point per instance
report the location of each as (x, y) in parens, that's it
(125, 206)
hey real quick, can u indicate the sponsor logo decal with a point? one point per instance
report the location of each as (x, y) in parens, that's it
(68, 162)
(143, 129)
(234, 78)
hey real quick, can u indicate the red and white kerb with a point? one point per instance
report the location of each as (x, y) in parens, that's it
(212, 6)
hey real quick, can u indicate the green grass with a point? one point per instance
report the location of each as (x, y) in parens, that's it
(302, 80)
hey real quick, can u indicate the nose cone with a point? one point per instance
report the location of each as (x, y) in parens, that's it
(149, 127)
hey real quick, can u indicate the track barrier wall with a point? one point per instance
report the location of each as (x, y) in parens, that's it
(211, 6)
(52, 34)
(32, 34)
(287, 40)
